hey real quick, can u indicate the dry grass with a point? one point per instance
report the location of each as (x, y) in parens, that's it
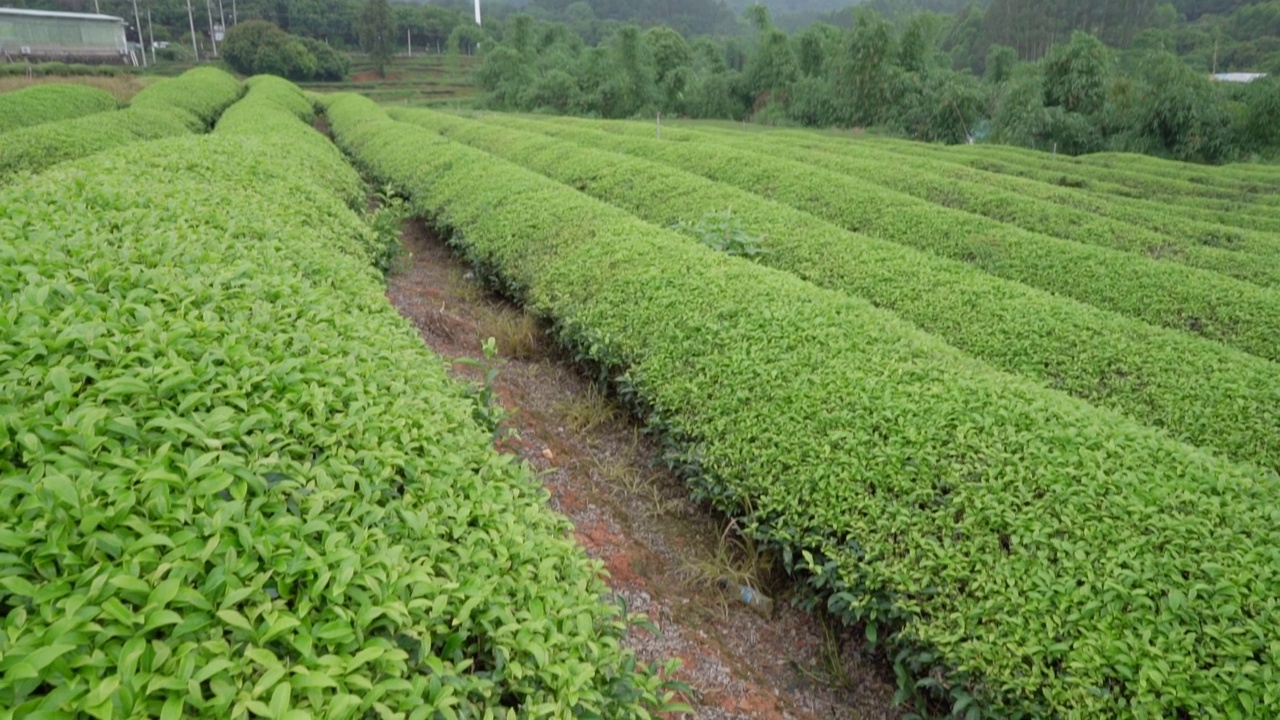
(123, 87)
(831, 669)
(459, 284)
(516, 332)
(736, 560)
(588, 411)
(622, 474)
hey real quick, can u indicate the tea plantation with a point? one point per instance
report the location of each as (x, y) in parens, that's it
(1014, 418)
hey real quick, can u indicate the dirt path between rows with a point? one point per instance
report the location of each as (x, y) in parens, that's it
(665, 555)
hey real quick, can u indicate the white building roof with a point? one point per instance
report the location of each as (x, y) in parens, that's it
(1238, 77)
(63, 15)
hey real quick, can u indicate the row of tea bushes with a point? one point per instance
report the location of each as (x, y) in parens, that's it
(1233, 312)
(1199, 391)
(1029, 553)
(1237, 252)
(233, 482)
(1068, 172)
(188, 103)
(48, 103)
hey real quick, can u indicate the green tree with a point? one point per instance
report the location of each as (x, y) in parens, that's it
(504, 75)
(773, 66)
(1075, 74)
(939, 106)
(555, 90)
(438, 22)
(916, 45)
(673, 65)
(583, 21)
(1178, 113)
(519, 34)
(866, 76)
(258, 47)
(962, 38)
(815, 47)
(465, 39)
(632, 86)
(377, 30)
(1260, 121)
(1001, 60)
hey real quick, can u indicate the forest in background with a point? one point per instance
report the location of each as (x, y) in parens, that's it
(1072, 75)
(1227, 35)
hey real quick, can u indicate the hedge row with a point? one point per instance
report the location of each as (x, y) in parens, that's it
(1239, 172)
(202, 93)
(1208, 179)
(234, 482)
(1034, 554)
(1137, 176)
(266, 98)
(1175, 296)
(1237, 213)
(46, 103)
(1162, 217)
(1134, 226)
(51, 69)
(1105, 199)
(185, 104)
(1066, 172)
(1177, 198)
(1245, 255)
(1233, 405)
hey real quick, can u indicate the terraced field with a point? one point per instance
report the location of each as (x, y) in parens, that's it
(1013, 418)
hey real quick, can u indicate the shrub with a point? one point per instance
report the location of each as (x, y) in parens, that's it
(331, 64)
(1119, 363)
(188, 103)
(259, 47)
(1175, 296)
(236, 484)
(47, 103)
(1024, 553)
(1177, 113)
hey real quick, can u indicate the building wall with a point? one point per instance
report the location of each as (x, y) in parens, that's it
(53, 37)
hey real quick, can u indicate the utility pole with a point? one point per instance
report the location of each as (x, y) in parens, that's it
(409, 35)
(192, 19)
(235, 19)
(137, 23)
(477, 12)
(152, 32)
(212, 37)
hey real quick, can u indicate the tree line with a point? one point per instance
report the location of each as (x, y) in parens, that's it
(1090, 76)
(1071, 75)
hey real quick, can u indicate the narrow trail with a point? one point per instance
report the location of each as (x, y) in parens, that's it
(663, 552)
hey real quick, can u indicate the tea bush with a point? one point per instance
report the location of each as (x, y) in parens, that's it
(1208, 304)
(188, 103)
(1241, 253)
(1233, 405)
(46, 103)
(1111, 201)
(233, 483)
(1121, 180)
(1024, 552)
